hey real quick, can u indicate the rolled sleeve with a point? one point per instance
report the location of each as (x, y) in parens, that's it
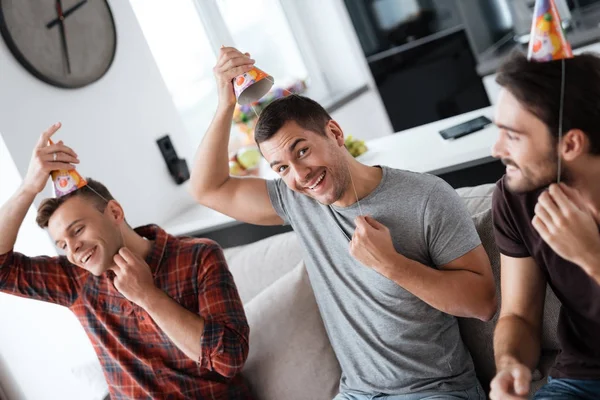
(223, 350)
(50, 279)
(224, 342)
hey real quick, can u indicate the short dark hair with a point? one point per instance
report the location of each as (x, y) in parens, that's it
(537, 85)
(305, 112)
(94, 192)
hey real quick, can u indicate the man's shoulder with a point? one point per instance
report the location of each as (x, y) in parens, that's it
(517, 202)
(195, 244)
(411, 180)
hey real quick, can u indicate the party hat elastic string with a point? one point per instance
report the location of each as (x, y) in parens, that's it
(560, 119)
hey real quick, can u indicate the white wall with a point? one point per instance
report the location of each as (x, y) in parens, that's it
(39, 342)
(364, 118)
(113, 125)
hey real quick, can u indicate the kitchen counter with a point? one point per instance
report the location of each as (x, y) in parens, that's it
(419, 149)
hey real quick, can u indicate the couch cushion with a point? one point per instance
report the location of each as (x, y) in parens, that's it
(479, 335)
(477, 198)
(257, 265)
(290, 355)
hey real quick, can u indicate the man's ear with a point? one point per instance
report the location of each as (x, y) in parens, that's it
(575, 143)
(114, 211)
(336, 131)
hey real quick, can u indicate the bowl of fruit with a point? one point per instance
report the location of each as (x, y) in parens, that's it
(355, 147)
(245, 161)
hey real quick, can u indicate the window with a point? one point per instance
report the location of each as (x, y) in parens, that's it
(282, 36)
(184, 56)
(260, 27)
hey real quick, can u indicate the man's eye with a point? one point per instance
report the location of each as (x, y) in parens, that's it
(281, 169)
(302, 152)
(78, 230)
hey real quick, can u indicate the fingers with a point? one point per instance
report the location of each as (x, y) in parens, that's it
(360, 222)
(573, 196)
(43, 141)
(546, 201)
(542, 213)
(127, 255)
(502, 388)
(58, 148)
(541, 227)
(232, 63)
(522, 379)
(120, 262)
(57, 156)
(373, 222)
(60, 166)
(228, 60)
(563, 202)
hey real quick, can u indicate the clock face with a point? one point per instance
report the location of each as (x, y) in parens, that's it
(66, 43)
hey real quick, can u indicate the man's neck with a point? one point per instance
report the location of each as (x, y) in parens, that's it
(364, 179)
(137, 244)
(585, 180)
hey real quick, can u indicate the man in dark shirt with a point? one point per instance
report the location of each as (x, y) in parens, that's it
(162, 313)
(548, 232)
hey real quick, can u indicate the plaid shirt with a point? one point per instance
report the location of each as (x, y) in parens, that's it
(138, 359)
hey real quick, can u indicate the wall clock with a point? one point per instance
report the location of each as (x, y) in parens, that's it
(66, 43)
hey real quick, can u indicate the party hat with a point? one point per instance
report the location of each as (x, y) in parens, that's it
(66, 181)
(252, 85)
(547, 40)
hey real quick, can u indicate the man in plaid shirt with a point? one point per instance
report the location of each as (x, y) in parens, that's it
(162, 313)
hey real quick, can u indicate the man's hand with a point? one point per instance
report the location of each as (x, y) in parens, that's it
(569, 226)
(511, 382)
(372, 244)
(47, 158)
(230, 64)
(133, 277)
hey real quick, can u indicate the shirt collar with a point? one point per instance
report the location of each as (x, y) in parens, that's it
(157, 252)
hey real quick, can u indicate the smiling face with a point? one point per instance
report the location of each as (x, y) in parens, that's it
(310, 163)
(524, 145)
(90, 238)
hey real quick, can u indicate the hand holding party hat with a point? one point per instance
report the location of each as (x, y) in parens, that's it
(547, 41)
(252, 85)
(66, 181)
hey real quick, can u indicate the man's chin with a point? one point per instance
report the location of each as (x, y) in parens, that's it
(519, 186)
(97, 270)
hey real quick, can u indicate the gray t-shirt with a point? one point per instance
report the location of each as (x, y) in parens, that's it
(386, 339)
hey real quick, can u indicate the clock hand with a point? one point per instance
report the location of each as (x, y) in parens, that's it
(70, 11)
(63, 34)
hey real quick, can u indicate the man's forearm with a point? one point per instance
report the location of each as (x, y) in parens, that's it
(516, 341)
(211, 164)
(461, 293)
(182, 326)
(12, 214)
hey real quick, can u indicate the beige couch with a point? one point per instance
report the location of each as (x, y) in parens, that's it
(290, 355)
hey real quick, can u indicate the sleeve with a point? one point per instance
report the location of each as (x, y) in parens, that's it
(276, 190)
(50, 279)
(449, 230)
(506, 234)
(225, 340)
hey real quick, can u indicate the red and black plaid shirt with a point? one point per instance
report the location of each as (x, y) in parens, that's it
(138, 359)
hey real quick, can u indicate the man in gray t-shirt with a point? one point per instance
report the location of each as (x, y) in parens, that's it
(392, 256)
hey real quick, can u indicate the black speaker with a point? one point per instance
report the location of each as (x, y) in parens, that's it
(177, 166)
